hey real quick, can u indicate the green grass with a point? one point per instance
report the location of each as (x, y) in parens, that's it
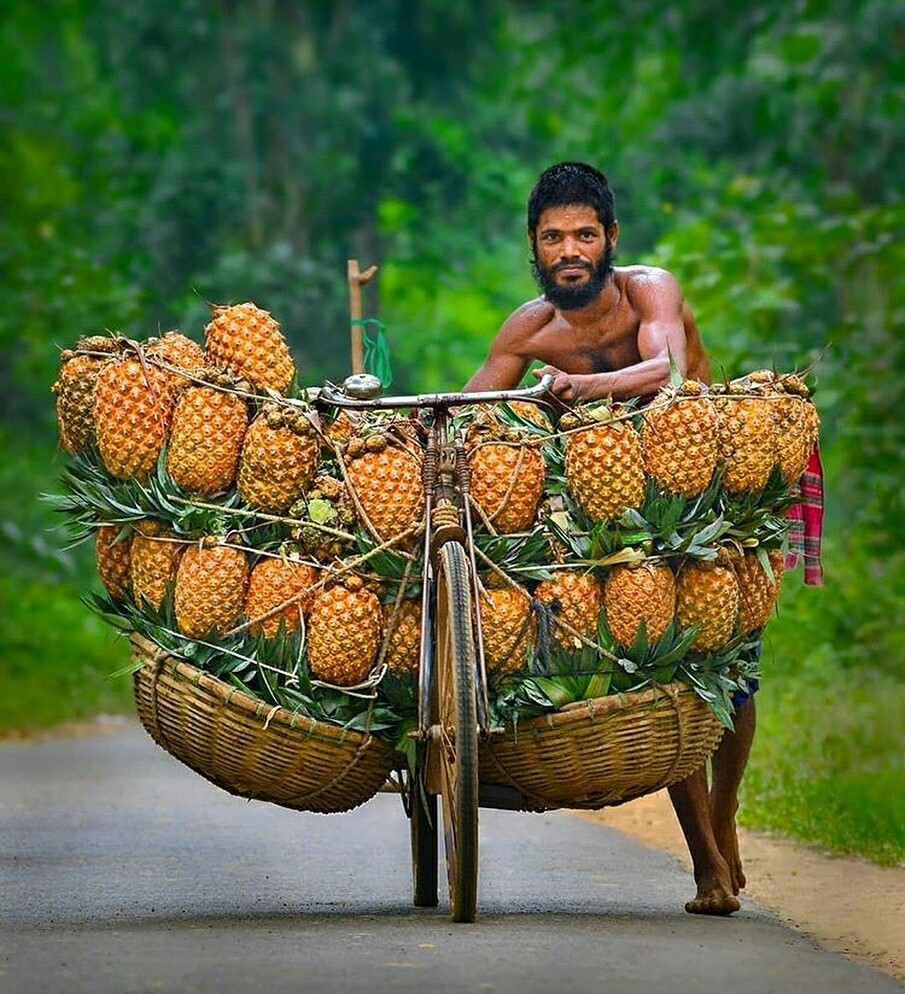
(57, 659)
(828, 764)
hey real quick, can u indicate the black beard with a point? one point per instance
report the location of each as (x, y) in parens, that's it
(573, 297)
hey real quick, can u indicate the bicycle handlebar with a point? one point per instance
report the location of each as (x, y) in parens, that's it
(334, 397)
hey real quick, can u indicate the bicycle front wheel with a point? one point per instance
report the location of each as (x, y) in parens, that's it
(458, 729)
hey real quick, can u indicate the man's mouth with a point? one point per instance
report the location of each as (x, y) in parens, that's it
(570, 272)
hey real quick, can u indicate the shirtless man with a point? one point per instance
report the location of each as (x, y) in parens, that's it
(604, 331)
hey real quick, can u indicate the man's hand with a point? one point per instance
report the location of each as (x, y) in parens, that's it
(566, 387)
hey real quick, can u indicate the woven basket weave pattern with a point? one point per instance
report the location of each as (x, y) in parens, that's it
(605, 751)
(249, 748)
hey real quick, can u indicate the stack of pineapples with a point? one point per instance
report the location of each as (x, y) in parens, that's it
(279, 549)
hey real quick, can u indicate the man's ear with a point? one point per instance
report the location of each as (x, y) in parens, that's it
(612, 232)
(530, 232)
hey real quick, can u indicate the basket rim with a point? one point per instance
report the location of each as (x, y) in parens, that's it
(152, 655)
(596, 707)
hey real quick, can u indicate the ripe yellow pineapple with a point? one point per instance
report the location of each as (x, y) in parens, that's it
(639, 592)
(154, 560)
(402, 629)
(273, 582)
(113, 560)
(531, 412)
(576, 599)
(507, 483)
(209, 425)
(248, 342)
(679, 439)
(386, 478)
(176, 351)
(210, 588)
(604, 469)
(708, 594)
(747, 442)
(279, 459)
(133, 407)
(344, 631)
(757, 591)
(75, 389)
(797, 428)
(509, 628)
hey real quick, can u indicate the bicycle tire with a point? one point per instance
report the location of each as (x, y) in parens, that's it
(458, 722)
(424, 839)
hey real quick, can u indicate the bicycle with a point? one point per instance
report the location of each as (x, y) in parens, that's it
(453, 702)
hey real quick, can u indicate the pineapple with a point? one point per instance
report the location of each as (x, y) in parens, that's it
(747, 442)
(758, 591)
(576, 599)
(279, 459)
(507, 483)
(327, 503)
(344, 632)
(133, 407)
(797, 427)
(272, 583)
(155, 557)
(679, 439)
(402, 630)
(210, 588)
(604, 470)
(530, 412)
(708, 594)
(386, 479)
(113, 560)
(206, 439)
(176, 351)
(75, 389)
(639, 592)
(248, 342)
(509, 629)
(342, 428)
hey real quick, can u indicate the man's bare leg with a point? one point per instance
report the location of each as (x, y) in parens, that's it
(728, 766)
(691, 800)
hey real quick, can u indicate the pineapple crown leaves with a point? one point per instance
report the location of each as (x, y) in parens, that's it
(525, 554)
(90, 496)
(716, 676)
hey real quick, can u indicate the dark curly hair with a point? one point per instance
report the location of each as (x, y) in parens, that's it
(571, 183)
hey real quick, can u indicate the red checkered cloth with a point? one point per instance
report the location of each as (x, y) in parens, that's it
(806, 517)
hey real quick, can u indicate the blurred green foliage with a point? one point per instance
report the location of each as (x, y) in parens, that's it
(154, 158)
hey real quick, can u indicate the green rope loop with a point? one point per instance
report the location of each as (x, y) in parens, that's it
(376, 348)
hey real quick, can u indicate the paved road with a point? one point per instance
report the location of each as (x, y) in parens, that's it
(125, 873)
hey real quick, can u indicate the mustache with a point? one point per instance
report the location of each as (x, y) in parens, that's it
(572, 265)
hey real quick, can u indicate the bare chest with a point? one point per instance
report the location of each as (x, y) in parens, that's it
(608, 344)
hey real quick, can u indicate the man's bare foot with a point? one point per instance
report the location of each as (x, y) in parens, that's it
(724, 832)
(712, 900)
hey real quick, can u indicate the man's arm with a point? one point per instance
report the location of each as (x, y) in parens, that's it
(509, 355)
(658, 302)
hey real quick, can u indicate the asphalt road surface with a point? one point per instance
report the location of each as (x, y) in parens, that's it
(122, 872)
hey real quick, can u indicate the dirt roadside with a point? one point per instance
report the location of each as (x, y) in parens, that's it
(845, 904)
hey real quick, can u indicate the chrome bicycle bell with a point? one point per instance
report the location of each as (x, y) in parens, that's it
(362, 386)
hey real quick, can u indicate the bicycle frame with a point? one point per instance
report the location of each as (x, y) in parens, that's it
(446, 482)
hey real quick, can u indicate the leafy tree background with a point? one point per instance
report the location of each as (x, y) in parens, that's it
(154, 158)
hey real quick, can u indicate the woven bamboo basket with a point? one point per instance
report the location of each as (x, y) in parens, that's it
(603, 752)
(250, 748)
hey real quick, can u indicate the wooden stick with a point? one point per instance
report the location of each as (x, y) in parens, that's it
(357, 280)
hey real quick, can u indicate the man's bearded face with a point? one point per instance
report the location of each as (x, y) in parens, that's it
(573, 293)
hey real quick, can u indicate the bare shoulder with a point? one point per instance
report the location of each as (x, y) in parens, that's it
(648, 281)
(524, 323)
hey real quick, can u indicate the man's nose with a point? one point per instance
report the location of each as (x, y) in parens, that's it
(571, 248)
